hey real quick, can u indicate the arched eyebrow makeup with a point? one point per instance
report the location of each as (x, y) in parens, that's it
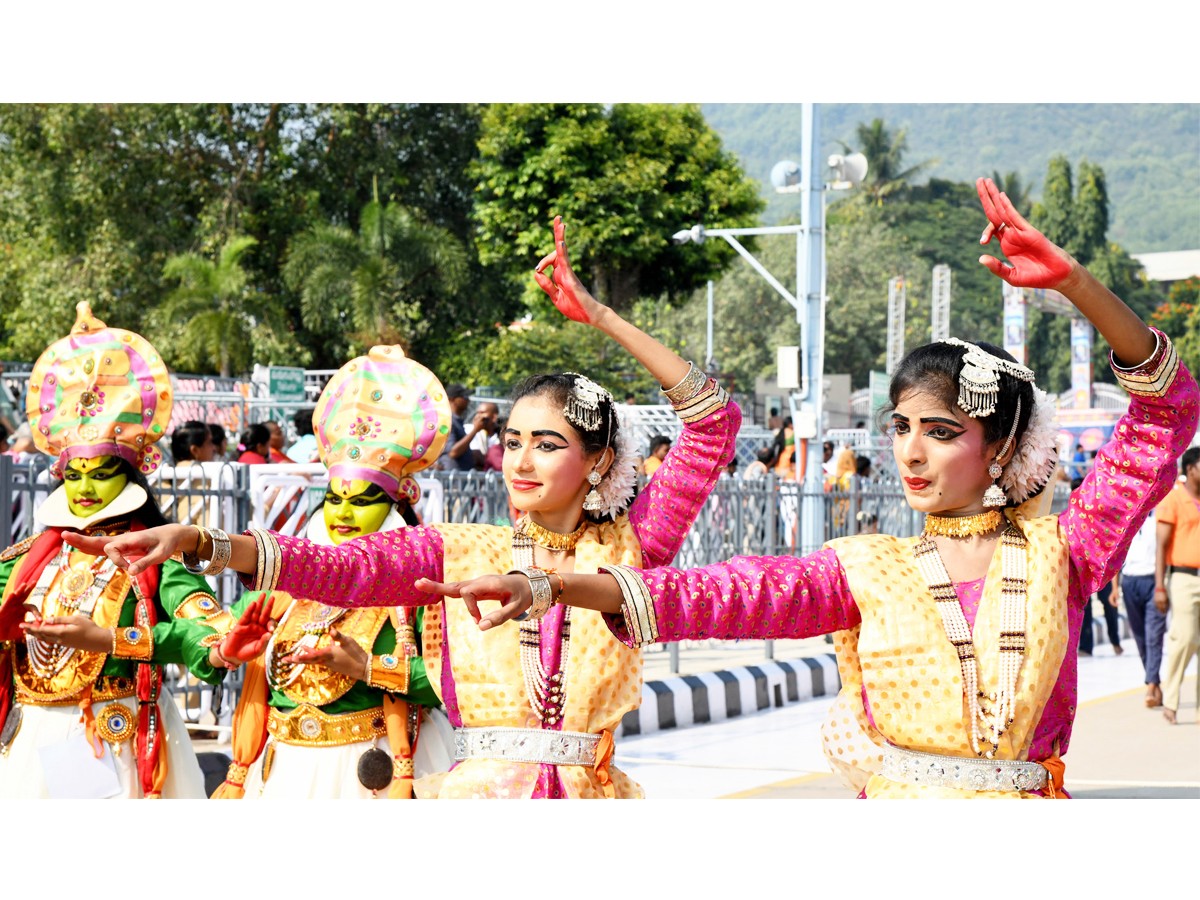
(539, 433)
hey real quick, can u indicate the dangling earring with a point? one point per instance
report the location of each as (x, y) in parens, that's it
(994, 495)
(593, 502)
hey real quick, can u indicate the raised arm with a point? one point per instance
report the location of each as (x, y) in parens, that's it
(1034, 261)
(575, 302)
(667, 509)
(1136, 468)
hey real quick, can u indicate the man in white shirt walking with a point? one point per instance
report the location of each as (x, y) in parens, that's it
(1146, 622)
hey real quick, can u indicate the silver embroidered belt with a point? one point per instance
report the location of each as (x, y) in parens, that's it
(963, 773)
(529, 745)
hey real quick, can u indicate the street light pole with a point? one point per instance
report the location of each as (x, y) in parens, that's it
(808, 301)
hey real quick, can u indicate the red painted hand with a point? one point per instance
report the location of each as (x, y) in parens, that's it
(1034, 261)
(563, 287)
(252, 633)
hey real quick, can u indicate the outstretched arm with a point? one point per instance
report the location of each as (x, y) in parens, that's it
(137, 551)
(1034, 261)
(746, 597)
(575, 302)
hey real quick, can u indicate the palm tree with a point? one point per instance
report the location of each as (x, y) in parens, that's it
(371, 286)
(218, 308)
(885, 157)
(1016, 189)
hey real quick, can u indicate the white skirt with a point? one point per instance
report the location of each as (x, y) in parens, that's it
(331, 773)
(49, 757)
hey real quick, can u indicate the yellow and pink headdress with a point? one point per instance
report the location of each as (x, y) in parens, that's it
(382, 418)
(99, 391)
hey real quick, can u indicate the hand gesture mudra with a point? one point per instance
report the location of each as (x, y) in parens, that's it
(342, 655)
(1034, 261)
(513, 592)
(248, 639)
(563, 287)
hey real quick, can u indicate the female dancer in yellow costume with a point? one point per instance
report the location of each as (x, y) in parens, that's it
(333, 698)
(534, 703)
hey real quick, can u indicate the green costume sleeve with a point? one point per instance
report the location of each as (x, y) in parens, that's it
(192, 615)
(6, 571)
(419, 689)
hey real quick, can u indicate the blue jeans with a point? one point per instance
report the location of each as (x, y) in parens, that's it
(1145, 621)
(1111, 619)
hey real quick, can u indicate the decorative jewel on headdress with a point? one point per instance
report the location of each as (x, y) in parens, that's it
(382, 418)
(583, 403)
(979, 381)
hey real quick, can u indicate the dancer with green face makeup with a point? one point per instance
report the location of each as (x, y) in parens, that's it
(82, 703)
(336, 703)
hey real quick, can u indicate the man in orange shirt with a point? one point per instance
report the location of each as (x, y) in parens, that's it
(1177, 578)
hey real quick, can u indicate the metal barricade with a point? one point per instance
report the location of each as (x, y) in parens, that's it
(741, 517)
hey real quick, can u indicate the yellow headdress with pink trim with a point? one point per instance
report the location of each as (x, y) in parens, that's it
(99, 391)
(382, 418)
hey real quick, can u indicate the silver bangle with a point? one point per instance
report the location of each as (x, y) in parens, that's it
(543, 596)
(691, 384)
(222, 550)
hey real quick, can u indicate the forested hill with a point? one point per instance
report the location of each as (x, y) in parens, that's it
(1150, 153)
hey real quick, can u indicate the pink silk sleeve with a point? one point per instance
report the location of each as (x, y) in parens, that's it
(665, 511)
(1132, 473)
(749, 597)
(373, 570)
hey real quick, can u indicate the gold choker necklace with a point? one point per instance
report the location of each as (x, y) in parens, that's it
(963, 526)
(551, 540)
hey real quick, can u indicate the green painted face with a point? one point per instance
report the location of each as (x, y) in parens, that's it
(93, 483)
(354, 508)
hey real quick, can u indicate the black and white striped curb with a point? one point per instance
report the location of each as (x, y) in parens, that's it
(684, 700)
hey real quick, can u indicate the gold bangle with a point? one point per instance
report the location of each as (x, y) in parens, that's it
(195, 562)
(367, 671)
(562, 585)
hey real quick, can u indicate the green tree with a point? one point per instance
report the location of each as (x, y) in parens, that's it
(224, 321)
(885, 150)
(624, 178)
(1091, 215)
(1015, 187)
(371, 286)
(1054, 214)
(1179, 318)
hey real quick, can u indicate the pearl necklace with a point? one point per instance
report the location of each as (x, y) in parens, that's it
(547, 693)
(551, 540)
(963, 526)
(989, 714)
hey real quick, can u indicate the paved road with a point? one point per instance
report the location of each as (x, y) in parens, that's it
(1119, 748)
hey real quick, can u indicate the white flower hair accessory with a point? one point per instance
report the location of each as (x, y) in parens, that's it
(617, 488)
(1037, 454)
